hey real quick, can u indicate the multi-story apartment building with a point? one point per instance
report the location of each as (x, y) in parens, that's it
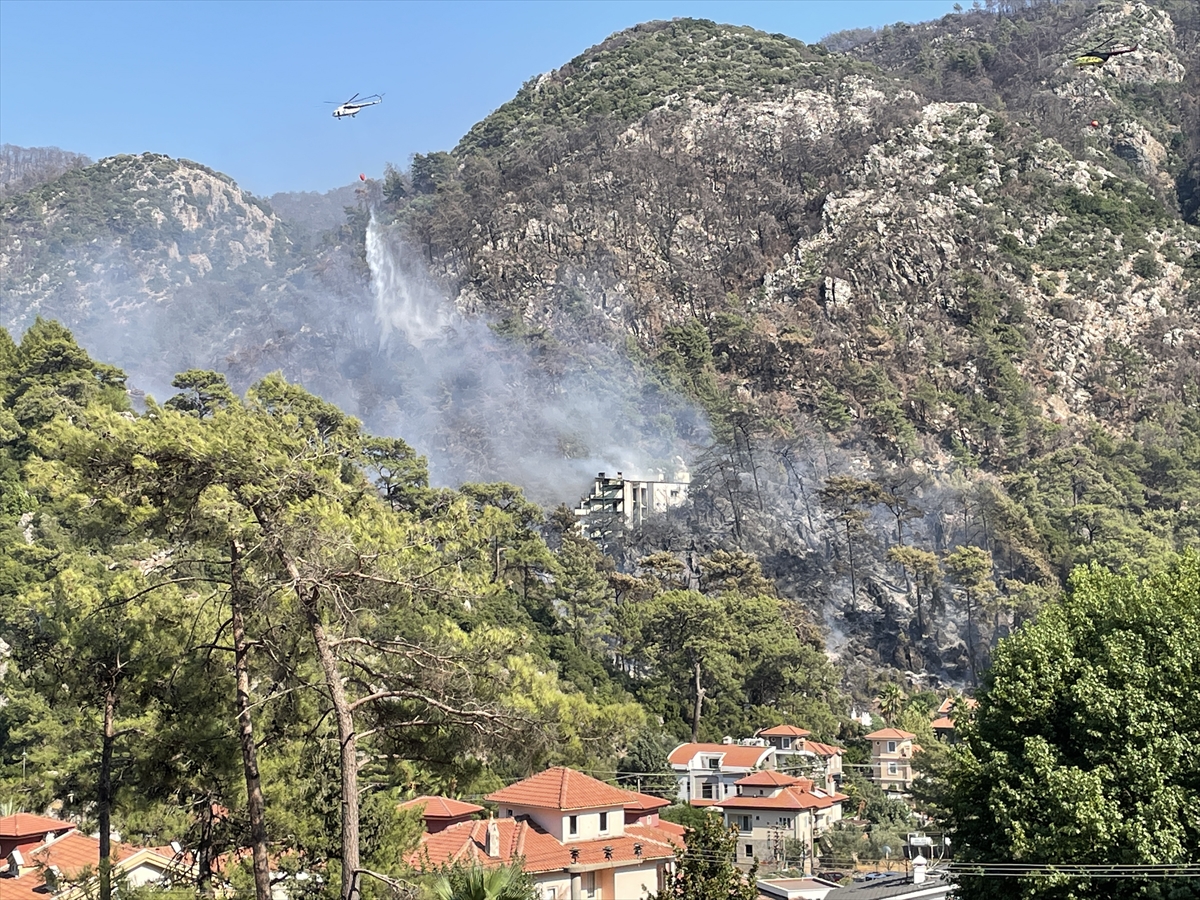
(798, 754)
(771, 808)
(708, 773)
(891, 759)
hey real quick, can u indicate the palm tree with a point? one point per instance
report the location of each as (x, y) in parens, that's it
(891, 701)
(477, 883)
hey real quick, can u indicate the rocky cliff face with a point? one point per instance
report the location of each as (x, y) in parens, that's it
(949, 262)
(150, 224)
(160, 265)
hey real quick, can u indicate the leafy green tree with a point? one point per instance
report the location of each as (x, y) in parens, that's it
(1081, 749)
(478, 883)
(707, 868)
(891, 701)
(645, 768)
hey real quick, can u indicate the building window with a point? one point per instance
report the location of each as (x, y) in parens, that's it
(787, 743)
(573, 825)
(603, 821)
(891, 747)
(749, 851)
(893, 769)
(743, 823)
(785, 822)
(714, 762)
(706, 791)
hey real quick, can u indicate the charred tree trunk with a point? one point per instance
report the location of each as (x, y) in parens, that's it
(971, 638)
(255, 804)
(204, 850)
(105, 795)
(347, 741)
(696, 710)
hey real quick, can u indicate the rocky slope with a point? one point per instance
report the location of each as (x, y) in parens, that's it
(949, 262)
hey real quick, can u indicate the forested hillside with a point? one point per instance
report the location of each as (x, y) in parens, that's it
(938, 294)
(203, 601)
(285, 533)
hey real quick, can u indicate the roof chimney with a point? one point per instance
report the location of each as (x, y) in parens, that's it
(491, 843)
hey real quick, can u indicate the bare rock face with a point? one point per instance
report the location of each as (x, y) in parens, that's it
(149, 226)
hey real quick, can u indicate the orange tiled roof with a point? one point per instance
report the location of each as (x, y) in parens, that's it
(819, 749)
(442, 807)
(561, 788)
(675, 830)
(27, 825)
(788, 798)
(890, 734)
(523, 839)
(768, 778)
(784, 731)
(644, 802)
(943, 722)
(733, 756)
(72, 854)
(949, 703)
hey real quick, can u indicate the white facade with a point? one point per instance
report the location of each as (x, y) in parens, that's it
(709, 772)
(628, 499)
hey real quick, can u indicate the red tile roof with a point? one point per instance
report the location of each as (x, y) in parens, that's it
(72, 853)
(784, 731)
(561, 788)
(890, 734)
(27, 825)
(523, 839)
(788, 798)
(644, 802)
(950, 702)
(820, 749)
(442, 807)
(943, 722)
(768, 778)
(733, 756)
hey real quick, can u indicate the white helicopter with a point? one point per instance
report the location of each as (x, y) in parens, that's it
(352, 106)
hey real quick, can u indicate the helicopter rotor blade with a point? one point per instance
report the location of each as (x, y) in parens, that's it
(351, 100)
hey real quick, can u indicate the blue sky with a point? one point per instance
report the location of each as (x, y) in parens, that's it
(239, 86)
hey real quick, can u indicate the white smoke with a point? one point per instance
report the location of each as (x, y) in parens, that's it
(481, 408)
(402, 303)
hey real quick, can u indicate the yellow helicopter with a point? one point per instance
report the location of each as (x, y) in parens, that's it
(1102, 53)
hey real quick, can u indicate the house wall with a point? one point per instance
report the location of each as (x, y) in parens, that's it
(637, 881)
(691, 784)
(881, 757)
(557, 823)
(767, 829)
(624, 883)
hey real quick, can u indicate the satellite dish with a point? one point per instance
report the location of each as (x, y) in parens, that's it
(177, 848)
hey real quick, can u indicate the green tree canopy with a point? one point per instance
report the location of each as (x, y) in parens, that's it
(1083, 745)
(707, 869)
